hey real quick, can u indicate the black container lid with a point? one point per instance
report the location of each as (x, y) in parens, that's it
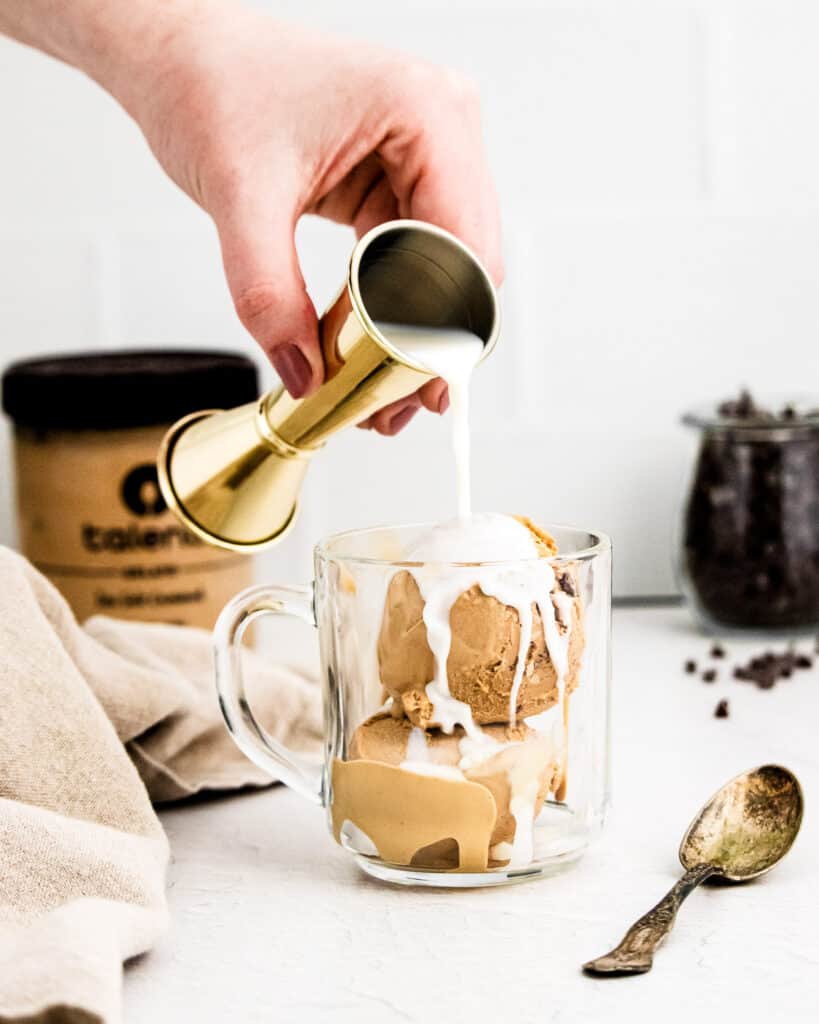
(127, 388)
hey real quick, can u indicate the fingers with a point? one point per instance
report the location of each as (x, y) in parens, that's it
(268, 290)
(435, 161)
(363, 198)
(393, 417)
(435, 396)
(378, 206)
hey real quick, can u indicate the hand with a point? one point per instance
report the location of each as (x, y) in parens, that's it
(261, 122)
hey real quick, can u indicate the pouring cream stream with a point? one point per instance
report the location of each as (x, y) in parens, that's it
(452, 354)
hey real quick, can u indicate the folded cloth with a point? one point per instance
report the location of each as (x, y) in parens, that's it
(82, 853)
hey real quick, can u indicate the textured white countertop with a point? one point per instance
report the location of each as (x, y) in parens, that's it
(273, 922)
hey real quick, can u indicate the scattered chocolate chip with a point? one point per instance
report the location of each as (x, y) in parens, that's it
(721, 710)
(764, 669)
(567, 585)
(717, 651)
(690, 667)
(709, 675)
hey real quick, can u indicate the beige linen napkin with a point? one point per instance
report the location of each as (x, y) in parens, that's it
(82, 854)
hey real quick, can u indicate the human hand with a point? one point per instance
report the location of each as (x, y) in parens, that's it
(261, 122)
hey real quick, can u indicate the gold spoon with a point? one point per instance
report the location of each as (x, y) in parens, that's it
(744, 829)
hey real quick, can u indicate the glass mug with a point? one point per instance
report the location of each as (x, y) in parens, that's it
(415, 798)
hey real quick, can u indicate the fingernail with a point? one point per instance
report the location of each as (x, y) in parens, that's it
(292, 366)
(443, 401)
(401, 419)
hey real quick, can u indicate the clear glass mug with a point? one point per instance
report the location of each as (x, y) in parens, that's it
(525, 789)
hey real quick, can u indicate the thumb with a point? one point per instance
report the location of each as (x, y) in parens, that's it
(268, 291)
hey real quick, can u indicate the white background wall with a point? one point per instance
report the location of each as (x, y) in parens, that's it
(658, 165)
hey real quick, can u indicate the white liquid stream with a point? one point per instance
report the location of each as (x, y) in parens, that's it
(452, 355)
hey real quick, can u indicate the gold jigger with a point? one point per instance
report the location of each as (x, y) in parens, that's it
(233, 478)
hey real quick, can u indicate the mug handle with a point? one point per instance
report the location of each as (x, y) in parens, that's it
(270, 755)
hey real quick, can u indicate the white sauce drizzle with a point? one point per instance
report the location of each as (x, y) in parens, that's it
(417, 749)
(417, 759)
(522, 806)
(453, 354)
(530, 582)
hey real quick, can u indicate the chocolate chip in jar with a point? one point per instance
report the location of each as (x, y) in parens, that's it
(750, 552)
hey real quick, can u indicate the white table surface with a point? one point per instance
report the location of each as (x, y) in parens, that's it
(273, 922)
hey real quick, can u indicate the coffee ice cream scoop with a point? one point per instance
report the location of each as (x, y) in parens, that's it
(482, 658)
(489, 666)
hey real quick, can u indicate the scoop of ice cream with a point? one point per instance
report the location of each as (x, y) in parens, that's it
(485, 632)
(483, 655)
(544, 542)
(514, 760)
(484, 537)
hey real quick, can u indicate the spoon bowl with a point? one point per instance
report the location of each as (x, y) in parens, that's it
(747, 826)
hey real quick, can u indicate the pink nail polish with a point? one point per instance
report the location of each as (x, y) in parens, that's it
(293, 368)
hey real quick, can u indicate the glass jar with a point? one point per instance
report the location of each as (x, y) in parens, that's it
(749, 557)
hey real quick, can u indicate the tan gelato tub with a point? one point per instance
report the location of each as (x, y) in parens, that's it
(90, 515)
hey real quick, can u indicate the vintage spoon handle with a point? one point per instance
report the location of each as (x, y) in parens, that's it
(635, 954)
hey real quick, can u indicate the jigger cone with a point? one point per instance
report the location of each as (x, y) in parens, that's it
(234, 477)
